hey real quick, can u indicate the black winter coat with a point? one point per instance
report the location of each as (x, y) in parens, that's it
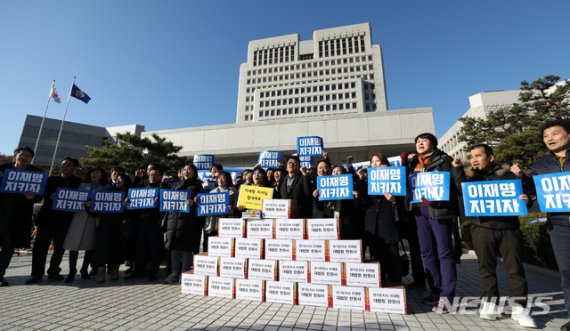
(16, 214)
(301, 194)
(184, 230)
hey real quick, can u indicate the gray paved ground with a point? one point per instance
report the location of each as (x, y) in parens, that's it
(140, 305)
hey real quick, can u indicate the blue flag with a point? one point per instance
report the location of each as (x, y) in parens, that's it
(78, 94)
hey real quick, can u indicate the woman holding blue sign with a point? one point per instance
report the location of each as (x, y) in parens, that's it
(184, 230)
(322, 209)
(225, 184)
(15, 211)
(434, 221)
(380, 230)
(83, 228)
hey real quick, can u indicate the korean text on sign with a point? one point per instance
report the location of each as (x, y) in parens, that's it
(553, 192)
(251, 197)
(269, 159)
(204, 161)
(493, 198)
(23, 181)
(387, 179)
(310, 146)
(213, 203)
(107, 202)
(433, 186)
(175, 200)
(66, 199)
(142, 198)
(335, 187)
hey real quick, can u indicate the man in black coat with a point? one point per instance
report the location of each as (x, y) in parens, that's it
(52, 224)
(296, 187)
(494, 236)
(16, 212)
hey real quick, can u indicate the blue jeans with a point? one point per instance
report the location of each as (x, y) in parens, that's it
(180, 257)
(560, 239)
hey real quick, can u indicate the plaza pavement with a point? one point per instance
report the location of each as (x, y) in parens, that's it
(142, 305)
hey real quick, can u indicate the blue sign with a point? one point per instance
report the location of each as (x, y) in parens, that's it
(310, 146)
(553, 192)
(306, 161)
(204, 161)
(395, 161)
(66, 199)
(213, 203)
(433, 186)
(175, 200)
(337, 187)
(387, 179)
(269, 159)
(142, 198)
(23, 181)
(108, 202)
(493, 198)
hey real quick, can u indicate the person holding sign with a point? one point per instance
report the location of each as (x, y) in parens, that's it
(380, 230)
(148, 241)
(259, 179)
(52, 224)
(494, 235)
(16, 212)
(225, 184)
(296, 187)
(83, 228)
(322, 209)
(108, 253)
(556, 137)
(434, 221)
(184, 230)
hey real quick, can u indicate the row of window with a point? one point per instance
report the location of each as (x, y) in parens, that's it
(314, 98)
(275, 55)
(309, 65)
(308, 74)
(308, 109)
(308, 89)
(341, 46)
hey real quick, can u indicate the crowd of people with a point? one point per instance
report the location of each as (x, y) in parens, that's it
(140, 238)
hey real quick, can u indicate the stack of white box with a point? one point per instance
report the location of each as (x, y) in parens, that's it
(294, 261)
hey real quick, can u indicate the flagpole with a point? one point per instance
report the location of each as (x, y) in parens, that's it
(43, 120)
(61, 126)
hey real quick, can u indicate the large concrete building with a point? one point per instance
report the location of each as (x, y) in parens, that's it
(332, 86)
(480, 105)
(340, 71)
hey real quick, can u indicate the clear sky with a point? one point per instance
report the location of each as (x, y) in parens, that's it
(174, 64)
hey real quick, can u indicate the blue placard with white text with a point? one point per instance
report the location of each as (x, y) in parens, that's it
(493, 198)
(204, 161)
(68, 199)
(337, 187)
(269, 159)
(213, 203)
(24, 181)
(310, 146)
(175, 200)
(107, 202)
(306, 161)
(433, 186)
(387, 179)
(553, 192)
(142, 198)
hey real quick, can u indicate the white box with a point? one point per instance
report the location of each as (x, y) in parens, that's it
(349, 297)
(218, 246)
(293, 228)
(281, 292)
(233, 267)
(327, 273)
(388, 300)
(323, 228)
(250, 289)
(311, 250)
(260, 228)
(250, 248)
(345, 251)
(231, 228)
(363, 274)
(314, 295)
(262, 269)
(206, 265)
(222, 287)
(280, 249)
(294, 271)
(194, 284)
